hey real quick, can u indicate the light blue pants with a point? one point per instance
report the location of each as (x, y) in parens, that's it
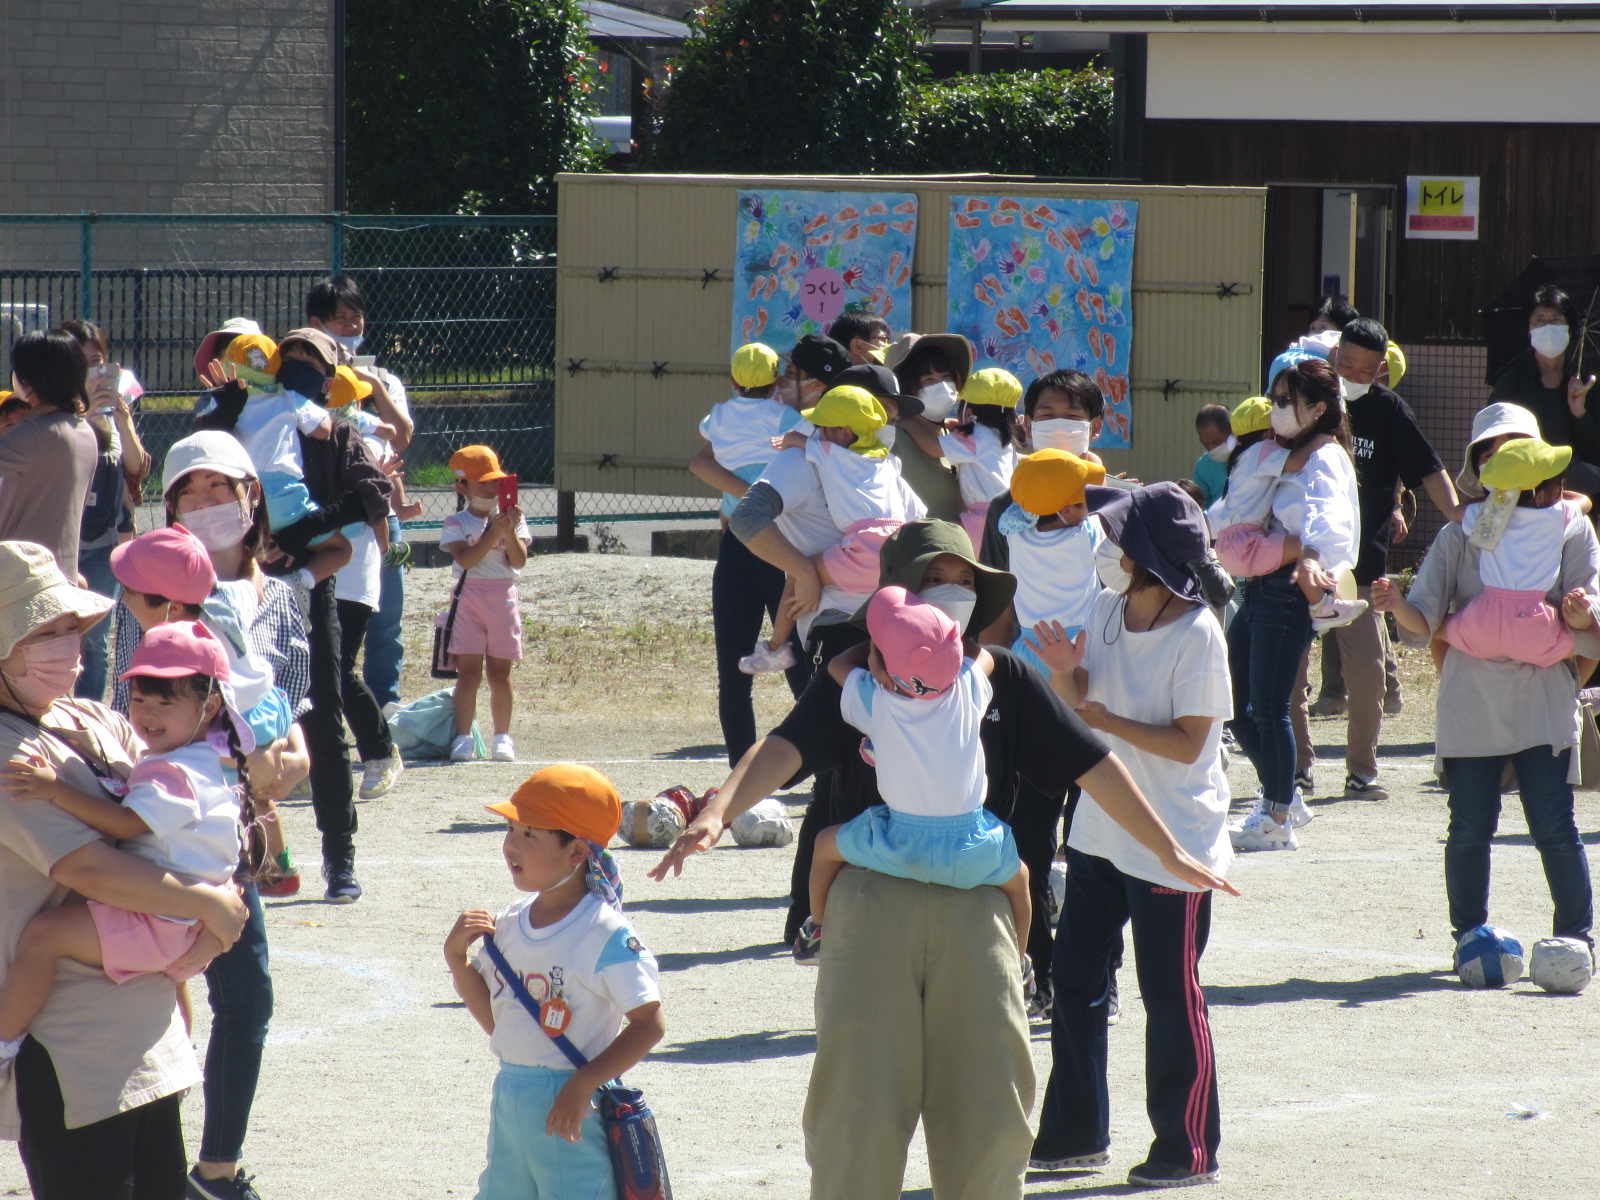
(525, 1163)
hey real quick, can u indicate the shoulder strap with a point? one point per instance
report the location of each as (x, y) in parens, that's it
(455, 603)
(520, 991)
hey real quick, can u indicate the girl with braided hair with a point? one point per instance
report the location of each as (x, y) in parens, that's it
(178, 812)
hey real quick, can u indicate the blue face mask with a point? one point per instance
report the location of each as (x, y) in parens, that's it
(302, 377)
(352, 344)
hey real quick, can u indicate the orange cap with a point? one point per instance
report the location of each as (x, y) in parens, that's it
(1048, 480)
(570, 797)
(347, 387)
(475, 464)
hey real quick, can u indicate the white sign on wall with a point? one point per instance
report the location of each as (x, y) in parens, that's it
(1442, 207)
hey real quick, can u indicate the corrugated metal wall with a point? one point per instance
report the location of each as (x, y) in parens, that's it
(642, 354)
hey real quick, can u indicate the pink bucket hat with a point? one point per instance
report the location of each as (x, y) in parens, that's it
(921, 647)
(168, 562)
(181, 648)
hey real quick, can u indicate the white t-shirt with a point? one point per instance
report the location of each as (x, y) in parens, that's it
(591, 958)
(929, 759)
(467, 526)
(1056, 579)
(1528, 555)
(266, 429)
(808, 525)
(1318, 504)
(859, 488)
(983, 465)
(1250, 486)
(741, 430)
(192, 812)
(1179, 670)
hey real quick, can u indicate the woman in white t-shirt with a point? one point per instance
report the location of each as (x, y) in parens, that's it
(1149, 671)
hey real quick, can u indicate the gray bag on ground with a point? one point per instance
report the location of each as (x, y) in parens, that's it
(425, 728)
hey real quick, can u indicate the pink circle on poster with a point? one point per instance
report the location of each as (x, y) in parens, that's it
(822, 295)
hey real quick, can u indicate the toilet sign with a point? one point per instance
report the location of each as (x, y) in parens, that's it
(1442, 208)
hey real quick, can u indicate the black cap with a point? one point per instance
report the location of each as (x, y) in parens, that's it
(820, 357)
(881, 382)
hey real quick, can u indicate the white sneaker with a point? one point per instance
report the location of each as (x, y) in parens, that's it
(503, 751)
(764, 659)
(1334, 612)
(1258, 831)
(379, 775)
(1300, 813)
(463, 749)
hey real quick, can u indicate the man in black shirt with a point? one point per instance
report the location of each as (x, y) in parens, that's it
(1388, 449)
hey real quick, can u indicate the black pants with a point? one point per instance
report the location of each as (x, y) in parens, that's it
(333, 796)
(361, 708)
(135, 1155)
(1035, 821)
(1170, 928)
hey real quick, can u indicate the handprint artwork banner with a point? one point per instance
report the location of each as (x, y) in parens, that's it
(802, 258)
(1041, 285)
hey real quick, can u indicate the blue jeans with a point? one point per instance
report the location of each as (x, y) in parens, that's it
(240, 986)
(1265, 644)
(1547, 804)
(95, 566)
(386, 654)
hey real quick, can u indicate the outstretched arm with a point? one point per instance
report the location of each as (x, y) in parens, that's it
(765, 768)
(1114, 790)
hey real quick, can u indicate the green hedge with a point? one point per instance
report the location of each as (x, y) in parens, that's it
(1015, 123)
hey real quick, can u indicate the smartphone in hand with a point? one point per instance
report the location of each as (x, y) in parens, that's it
(508, 492)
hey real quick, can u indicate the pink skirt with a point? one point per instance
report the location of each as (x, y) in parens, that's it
(1248, 551)
(1520, 626)
(134, 944)
(853, 563)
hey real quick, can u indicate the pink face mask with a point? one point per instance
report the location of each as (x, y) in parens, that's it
(219, 527)
(50, 669)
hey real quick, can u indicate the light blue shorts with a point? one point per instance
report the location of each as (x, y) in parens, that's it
(287, 500)
(1024, 650)
(968, 850)
(525, 1163)
(270, 720)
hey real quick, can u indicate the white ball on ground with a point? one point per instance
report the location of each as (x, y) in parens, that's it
(1563, 965)
(1487, 957)
(652, 824)
(765, 823)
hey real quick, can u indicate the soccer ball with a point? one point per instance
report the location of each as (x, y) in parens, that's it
(652, 824)
(1487, 957)
(766, 823)
(1561, 965)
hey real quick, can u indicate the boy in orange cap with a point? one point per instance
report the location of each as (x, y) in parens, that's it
(595, 983)
(490, 549)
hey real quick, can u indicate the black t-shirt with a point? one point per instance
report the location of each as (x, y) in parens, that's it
(1387, 446)
(1027, 734)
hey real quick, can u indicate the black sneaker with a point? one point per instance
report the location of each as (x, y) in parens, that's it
(1304, 781)
(1357, 788)
(238, 1188)
(808, 944)
(1168, 1175)
(341, 876)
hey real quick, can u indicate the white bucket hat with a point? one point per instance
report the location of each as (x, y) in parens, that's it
(1494, 421)
(34, 592)
(208, 450)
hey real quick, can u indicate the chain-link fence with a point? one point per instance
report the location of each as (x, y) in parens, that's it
(461, 309)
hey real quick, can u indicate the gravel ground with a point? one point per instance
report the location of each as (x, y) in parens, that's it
(1351, 1063)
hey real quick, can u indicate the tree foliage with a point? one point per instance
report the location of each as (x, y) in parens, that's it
(790, 86)
(465, 106)
(1015, 123)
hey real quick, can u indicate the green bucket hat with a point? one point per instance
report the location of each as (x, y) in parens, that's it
(907, 552)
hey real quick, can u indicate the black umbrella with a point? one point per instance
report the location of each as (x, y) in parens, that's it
(1578, 275)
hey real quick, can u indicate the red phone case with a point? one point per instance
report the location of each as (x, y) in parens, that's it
(508, 492)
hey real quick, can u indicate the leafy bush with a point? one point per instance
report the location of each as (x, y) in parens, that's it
(1016, 123)
(470, 106)
(790, 87)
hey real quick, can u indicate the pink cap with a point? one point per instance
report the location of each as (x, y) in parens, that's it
(179, 648)
(921, 646)
(168, 562)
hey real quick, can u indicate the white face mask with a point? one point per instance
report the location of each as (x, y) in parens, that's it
(1550, 340)
(479, 505)
(1221, 453)
(1062, 433)
(886, 436)
(1353, 390)
(953, 600)
(351, 344)
(219, 527)
(1108, 565)
(1286, 421)
(938, 400)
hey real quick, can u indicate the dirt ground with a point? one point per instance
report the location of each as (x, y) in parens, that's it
(1351, 1063)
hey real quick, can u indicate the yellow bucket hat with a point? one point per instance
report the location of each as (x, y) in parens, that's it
(1522, 464)
(755, 365)
(1252, 416)
(254, 357)
(347, 387)
(1396, 359)
(993, 385)
(855, 409)
(1048, 480)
